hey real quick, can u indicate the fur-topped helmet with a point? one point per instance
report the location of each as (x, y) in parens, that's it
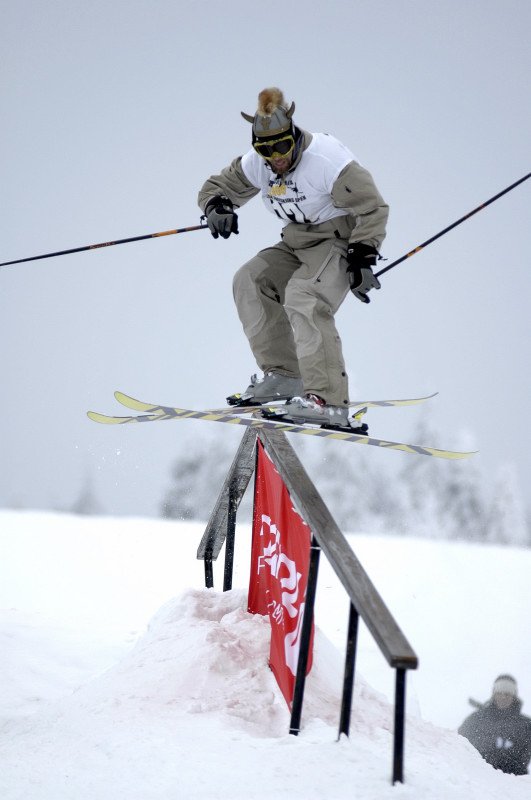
(273, 116)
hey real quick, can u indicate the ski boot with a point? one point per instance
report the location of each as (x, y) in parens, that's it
(272, 387)
(313, 410)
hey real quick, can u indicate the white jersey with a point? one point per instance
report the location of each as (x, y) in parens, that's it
(303, 194)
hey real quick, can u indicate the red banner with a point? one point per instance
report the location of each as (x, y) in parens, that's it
(280, 561)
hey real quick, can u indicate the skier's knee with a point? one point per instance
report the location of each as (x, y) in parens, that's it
(242, 282)
(299, 298)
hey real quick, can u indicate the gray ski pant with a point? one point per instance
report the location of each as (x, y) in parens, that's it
(286, 298)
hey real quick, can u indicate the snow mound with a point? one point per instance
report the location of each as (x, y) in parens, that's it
(204, 654)
(193, 711)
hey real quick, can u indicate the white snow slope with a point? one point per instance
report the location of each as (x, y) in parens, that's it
(121, 677)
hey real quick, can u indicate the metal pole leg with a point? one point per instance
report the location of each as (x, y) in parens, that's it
(400, 705)
(302, 663)
(350, 666)
(229, 542)
(209, 572)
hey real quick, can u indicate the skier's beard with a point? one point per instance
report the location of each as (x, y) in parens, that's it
(280, 165)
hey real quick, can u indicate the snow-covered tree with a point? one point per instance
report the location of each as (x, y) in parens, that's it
(420, 481)
(506, 518)
(86, 502)
(426, 497)
(461, 507)
(197, 477)
(444, 498)
(358, 491)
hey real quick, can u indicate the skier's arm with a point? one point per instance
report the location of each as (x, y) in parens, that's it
(476, 729)
(231, 183)
(354, 189)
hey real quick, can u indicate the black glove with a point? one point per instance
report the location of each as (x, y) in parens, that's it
(221, 217)
(361, 260)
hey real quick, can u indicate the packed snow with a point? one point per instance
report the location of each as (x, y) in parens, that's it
(122, 677)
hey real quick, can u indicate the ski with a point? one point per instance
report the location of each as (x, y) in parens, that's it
(165, 413)
(151, 408)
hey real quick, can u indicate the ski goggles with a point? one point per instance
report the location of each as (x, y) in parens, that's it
(276, 148)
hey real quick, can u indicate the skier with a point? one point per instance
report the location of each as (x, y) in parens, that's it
(498, 731)
(334, 223)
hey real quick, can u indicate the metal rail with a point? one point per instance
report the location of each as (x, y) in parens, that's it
(364, 600)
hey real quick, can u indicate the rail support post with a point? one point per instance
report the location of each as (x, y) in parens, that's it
(306, 631)
(400, 709)
(229, 541)
(350, 666)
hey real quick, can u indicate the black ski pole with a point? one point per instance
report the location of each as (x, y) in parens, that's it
(453, 225)
(107, 244)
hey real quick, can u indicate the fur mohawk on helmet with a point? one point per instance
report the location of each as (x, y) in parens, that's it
(269, 100)
(273, 116)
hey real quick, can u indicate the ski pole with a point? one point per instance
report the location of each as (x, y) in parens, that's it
(204, 227)
(107, 244)
(453, 225)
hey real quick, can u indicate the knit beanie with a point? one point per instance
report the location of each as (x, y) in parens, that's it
(505, 684)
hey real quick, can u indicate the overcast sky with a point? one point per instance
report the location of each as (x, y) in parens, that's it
(114, 113)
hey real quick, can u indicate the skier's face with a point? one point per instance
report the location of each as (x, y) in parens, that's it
(278, 152)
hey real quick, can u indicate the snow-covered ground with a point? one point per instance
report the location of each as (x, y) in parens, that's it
(121, 677)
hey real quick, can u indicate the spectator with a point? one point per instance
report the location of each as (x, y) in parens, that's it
(498, 731)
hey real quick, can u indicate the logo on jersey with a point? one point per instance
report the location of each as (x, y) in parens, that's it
(285, 197)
